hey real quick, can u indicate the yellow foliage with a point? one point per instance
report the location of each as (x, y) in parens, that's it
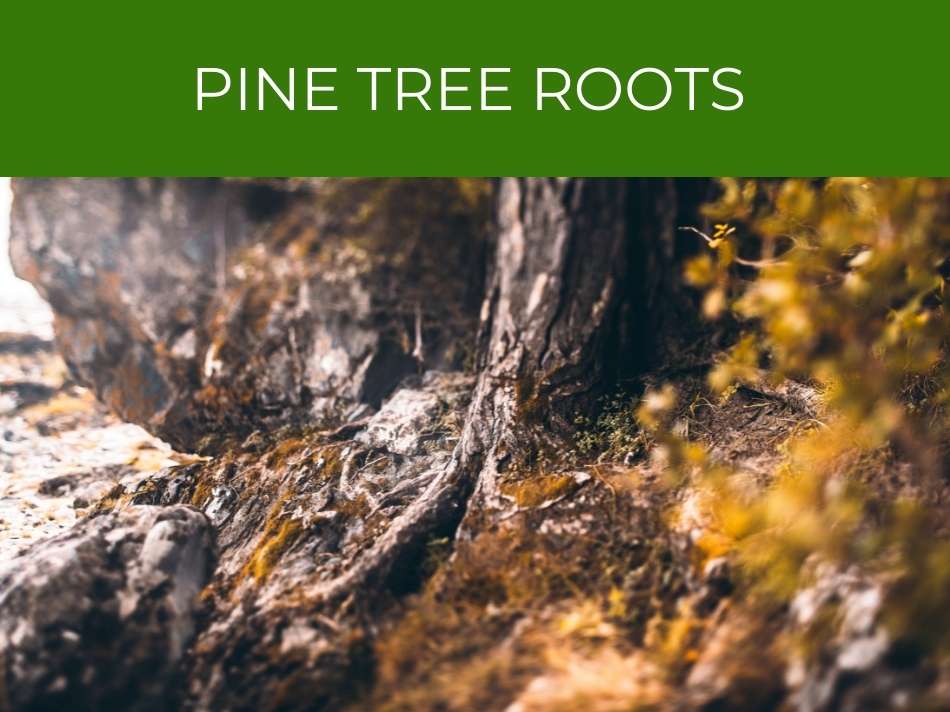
(838, 284)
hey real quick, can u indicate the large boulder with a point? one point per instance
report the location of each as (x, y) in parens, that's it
(206, 309)
(99, 617)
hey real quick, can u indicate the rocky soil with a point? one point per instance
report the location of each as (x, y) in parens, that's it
(394, 495)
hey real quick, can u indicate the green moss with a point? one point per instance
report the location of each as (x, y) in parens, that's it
(613, 435)
(280, 534)
(537, 490)
(284, 450)
(112, 499)
(327, 461)
(352, 508)
(202, 491)
(274, 543)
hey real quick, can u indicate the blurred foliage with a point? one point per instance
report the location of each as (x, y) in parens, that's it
(838, 284)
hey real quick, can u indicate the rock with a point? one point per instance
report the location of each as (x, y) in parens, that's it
(98, 617)
(854, 670)
(404, 424)
(206, 309)
(219, 508)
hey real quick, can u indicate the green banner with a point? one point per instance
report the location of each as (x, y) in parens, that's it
(750, 88)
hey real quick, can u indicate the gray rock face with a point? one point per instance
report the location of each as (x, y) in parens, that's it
(205, 309)
(98, 617)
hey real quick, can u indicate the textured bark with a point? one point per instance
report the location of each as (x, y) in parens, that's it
(546, 320)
